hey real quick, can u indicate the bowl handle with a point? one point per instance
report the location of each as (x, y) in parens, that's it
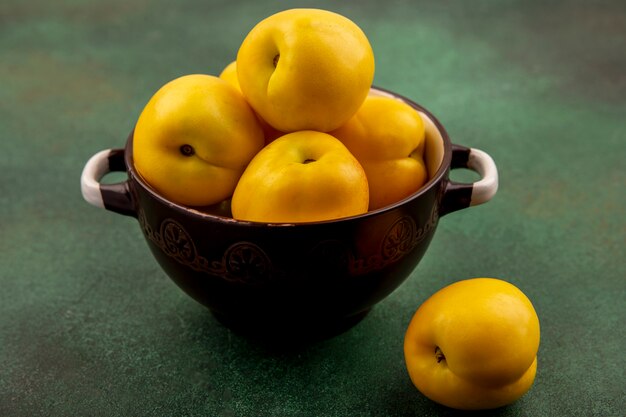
(114, 197)
(458, 196)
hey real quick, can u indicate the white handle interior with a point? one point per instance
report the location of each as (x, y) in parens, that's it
(96, 167)
(484, 189)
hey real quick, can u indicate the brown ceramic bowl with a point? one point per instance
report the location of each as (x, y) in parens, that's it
(311, 278)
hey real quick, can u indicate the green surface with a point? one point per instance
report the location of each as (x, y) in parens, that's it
(89, 324)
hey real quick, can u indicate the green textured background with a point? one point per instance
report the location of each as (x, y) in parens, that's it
(89, 324)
